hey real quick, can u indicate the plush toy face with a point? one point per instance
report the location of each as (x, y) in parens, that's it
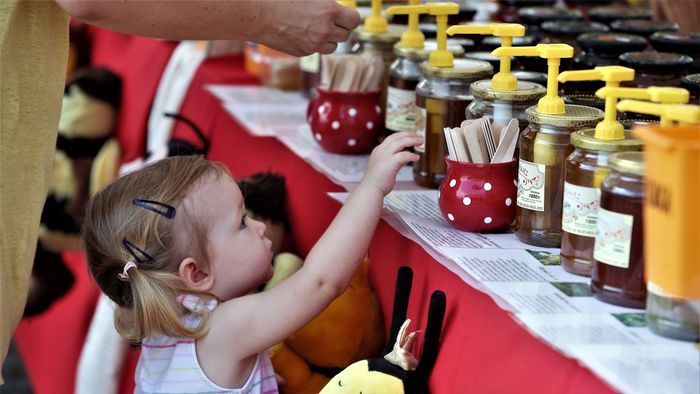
(358, 379)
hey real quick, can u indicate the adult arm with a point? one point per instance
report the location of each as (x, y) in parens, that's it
(298, 27)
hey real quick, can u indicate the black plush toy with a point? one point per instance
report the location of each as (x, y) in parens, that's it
(397, 372)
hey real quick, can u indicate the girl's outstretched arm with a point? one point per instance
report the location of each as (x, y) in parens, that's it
(263, 319)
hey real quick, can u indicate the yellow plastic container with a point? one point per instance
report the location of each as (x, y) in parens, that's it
(672, 229)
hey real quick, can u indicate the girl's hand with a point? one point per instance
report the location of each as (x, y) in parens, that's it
(388, 158)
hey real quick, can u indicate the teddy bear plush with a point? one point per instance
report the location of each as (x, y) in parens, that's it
(85, 141)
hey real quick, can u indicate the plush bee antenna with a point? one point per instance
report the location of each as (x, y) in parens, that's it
(404, 281)
(431, 343)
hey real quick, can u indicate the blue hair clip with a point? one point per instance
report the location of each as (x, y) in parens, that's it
(134, 251)
(155, 206)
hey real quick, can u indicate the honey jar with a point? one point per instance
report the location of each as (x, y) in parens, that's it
(618, 272)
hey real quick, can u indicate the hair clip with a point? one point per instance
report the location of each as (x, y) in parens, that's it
(160, 208)
(133, 249)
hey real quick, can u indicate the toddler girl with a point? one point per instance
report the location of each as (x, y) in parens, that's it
(172, 246)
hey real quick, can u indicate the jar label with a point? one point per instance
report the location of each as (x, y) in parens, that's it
(531, 178)
(614, 238)
(421, 120)
(400, 109)
(311, 63)
(580, 211)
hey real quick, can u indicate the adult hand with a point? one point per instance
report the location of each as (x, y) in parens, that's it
(302, 27)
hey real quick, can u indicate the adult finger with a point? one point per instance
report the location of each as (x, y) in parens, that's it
(347, 18)
(327, 48)
(338, 34)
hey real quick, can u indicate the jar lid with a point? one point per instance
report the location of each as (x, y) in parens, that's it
(587, 3)
(428, 47)
(608, 14)
(691, 82)
(642, 27)
(573, 28)
(585, 139)
(531, 76)
(532, 16)
(493, 42)
(587, 100)
(685, 43)
(391, 35)
(465, 43)
(655, 61)
(527, 91)
(627, 162)
(527, 3)
(576, 116)
(462, 69)
(635, 122)
(611, 44)
(494, 61)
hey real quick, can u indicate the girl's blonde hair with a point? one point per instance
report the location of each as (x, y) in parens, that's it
(147, 299)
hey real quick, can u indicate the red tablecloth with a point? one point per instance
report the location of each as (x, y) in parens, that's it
(483, 349)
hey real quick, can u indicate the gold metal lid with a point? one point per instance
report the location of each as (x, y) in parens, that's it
(462, 69)
(428, 46)
(391, 35)
(526, 91)
(627, 162)
(585, 139)
(575, 116)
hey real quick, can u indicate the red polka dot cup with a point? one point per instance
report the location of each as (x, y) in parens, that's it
(479, 197)
(345, 122)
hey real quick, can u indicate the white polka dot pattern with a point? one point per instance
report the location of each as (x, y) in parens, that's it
(352, 112)
(487, 220)
(509, 202)
(335, 125)
(467, 200)
(453, 183)
(352, 142)
(487, 186)
(451, 217)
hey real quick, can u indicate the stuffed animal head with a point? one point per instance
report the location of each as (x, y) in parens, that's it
(397, 372)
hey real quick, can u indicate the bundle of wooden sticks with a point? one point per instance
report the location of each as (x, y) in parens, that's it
(480, 141)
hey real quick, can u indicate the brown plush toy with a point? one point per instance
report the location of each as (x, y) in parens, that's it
(351, 328)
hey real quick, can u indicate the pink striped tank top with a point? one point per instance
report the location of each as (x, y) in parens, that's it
(170, 365)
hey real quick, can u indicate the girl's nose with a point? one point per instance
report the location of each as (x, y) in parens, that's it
(261, 227)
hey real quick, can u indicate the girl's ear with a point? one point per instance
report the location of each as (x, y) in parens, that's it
(194, 276)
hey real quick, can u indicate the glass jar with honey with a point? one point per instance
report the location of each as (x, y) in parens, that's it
(618, 272)
(585, 169)
(544, 147)
(404, 75)
(442, 98)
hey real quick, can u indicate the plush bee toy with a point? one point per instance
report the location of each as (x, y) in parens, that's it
(398, 372)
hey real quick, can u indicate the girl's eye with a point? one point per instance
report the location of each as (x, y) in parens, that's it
(243, 225)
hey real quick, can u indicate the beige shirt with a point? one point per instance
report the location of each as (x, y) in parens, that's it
(33, 59)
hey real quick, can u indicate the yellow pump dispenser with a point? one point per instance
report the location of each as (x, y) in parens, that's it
(442, 57)
(669, 113)
(376, 23)
(503, 80)
(348, 3)
(412, 37)
(657, 94)
(609, 128)
(551, 103)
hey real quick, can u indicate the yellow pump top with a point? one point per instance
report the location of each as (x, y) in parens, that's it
(376, 23)
(609, 128)
(348, 3)
(551, 103)
(657, 94)
(503, 80)
(442, 57)
(683, 113)
(412, 37)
